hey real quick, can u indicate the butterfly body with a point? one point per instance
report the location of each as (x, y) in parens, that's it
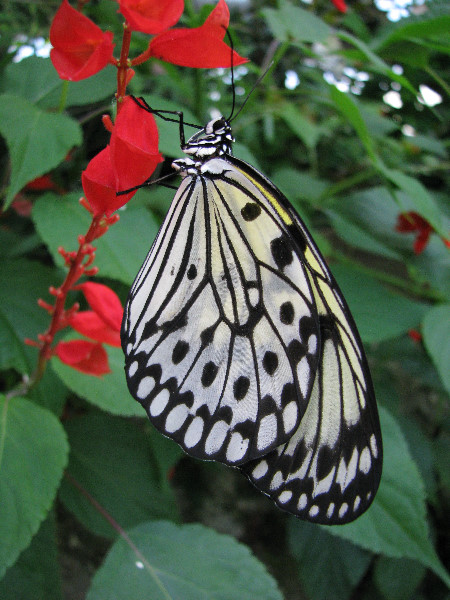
(240, 346)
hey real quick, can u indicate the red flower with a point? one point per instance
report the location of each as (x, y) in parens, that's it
(151, 16)
(415, 335)
(82, 355)
(101, 324)
(201, 47)
(80, 47)
(412, 222)
(128, 161)
(105, 305)
(340, 5)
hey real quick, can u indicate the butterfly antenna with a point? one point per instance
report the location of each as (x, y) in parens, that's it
(258, 81)
(233, 88)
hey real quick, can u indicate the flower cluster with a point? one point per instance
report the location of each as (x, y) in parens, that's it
(80, 50)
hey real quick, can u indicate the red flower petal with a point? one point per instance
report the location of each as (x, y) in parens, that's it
(412, 222)
(415, 335)
(340, 5)
(99, 185)
(80, 47)
(89, 324)
(202, 47)
(151, 16)
(88, 357)
(134, 145)
(104, 302)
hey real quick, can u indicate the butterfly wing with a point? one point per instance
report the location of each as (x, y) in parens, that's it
(220, 328)
(330, 469)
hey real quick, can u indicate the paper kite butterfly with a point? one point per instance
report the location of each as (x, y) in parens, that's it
(241, 347)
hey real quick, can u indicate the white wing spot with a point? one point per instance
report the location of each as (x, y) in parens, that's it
(343, 509)
(216, 437)
(290, 413)
(277, 480)
(159, 403)
(145, 387)
(356, 503)
(365, 460)
(260, 470)
(237, 447)
(373, 445)
(194, 432)
(369, 496)
(312, 344)
(314, 510)
(303, 374)
(285, 496)
(133, 368)
(303, 501)
(330, 510)
(176, 418)
(267, 431)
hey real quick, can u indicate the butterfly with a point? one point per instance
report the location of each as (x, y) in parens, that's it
(241, 347)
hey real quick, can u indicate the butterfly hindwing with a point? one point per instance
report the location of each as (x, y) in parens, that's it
(330, 469)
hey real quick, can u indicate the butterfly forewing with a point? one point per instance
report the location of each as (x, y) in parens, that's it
(221, 332)
(241, 347)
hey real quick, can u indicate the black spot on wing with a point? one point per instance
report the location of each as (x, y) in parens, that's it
(250, 211)
(281, 252)
(270, 362)
(180, 351)
(192, 272)
(287, 313)
(240, 387)
(209, 374)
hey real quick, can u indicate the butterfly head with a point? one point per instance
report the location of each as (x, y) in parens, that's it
(215, 139)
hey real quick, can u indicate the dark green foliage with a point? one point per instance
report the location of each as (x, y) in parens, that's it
(348, 163)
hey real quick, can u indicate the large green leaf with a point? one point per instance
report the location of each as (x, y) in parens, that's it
(120, 252)
(164, 561)
(36, 574)
(33, 454)
(109, 392)
(115, 462)
(436, 336)
(37, 141)
(396, 523)
(23, 282)
(46, 90)
(326, 562)
(294, 24)
(379, 313)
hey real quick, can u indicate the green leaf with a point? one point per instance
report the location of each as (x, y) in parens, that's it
(33, 454)
(396, 523)
(299, 186)
(436, 337)
(114, 461)
(291, 23)
(422, 201)
(37, 141)
(20, 316)
(109, 392)
(397, 578)
(376, 320)
(428, 26)
(36, 574)
(305, 129)
(326, 562)
(46, 90)
(351, 112)
(164, 561)
(120, 252)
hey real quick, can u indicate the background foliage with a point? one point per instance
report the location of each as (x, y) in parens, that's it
(351, 163)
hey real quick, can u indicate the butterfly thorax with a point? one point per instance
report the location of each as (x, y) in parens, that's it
(213, 141)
